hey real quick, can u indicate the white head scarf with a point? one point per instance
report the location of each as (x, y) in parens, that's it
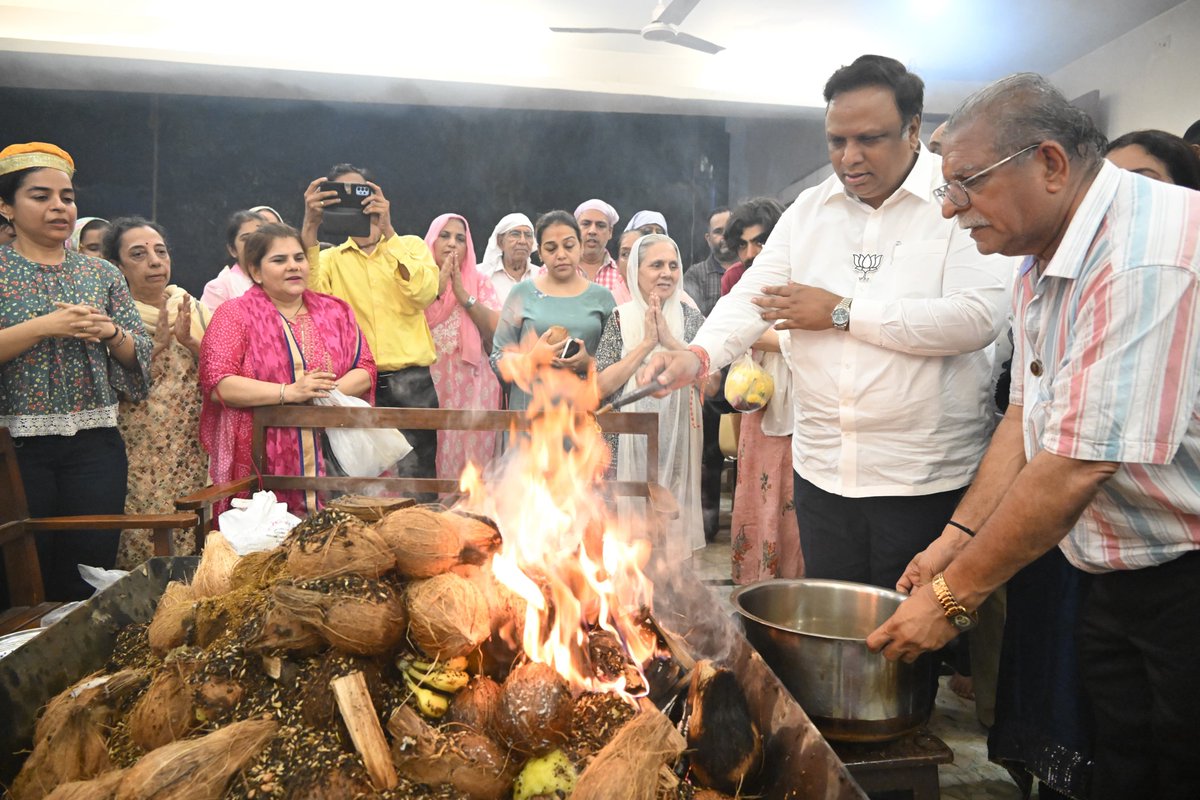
(493, 257)
(596, 204)
(647, 218)
(679, 414)
(80, 224)
(633, 313)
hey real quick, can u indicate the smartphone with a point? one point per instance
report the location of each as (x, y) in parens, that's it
(346, 217)
(570, 348)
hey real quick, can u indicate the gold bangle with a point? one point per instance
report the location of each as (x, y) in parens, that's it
(282, 386)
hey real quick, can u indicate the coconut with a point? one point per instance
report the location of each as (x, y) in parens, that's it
(197, 769)
(216, 567)
(75, 750)
(165, 713)
(535, 709)
(556, 334)
(278, 629)
(351, 613)
(479, 535)
(475, 707)
(448, 616)
(174, 620)
(69, 742)
(348, 547)
(101, 788)
(424, 542)
(470, 762)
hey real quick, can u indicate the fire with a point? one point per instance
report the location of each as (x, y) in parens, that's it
(578, 569)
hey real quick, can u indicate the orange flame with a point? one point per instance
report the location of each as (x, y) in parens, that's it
(577, 569)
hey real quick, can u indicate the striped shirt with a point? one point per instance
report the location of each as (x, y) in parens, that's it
(1113, 327)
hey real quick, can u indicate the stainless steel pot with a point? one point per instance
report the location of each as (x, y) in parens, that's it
(812, 634)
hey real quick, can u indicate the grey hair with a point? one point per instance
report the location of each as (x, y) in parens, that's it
(1025, 109)
(654, 238)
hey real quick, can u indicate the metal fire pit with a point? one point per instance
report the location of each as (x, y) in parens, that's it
(799, 762)
(78, 644)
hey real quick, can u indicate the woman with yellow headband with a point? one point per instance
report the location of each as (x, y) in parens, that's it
(71, 345)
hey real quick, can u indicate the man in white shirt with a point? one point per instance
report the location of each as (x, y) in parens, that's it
(892, 312)
(506, 259)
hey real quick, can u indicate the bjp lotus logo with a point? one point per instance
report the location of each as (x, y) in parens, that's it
(865, 264)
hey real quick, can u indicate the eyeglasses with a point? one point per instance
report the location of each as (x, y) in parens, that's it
(517, 233)
(956, 191)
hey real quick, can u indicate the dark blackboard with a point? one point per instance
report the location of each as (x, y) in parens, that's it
(192, 160)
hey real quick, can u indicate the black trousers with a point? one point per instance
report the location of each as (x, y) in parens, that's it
(866, 539)
(67, 476)
(412, 387)
(712, 460)
(1139, 644)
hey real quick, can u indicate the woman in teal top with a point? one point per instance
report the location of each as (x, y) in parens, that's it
(561, 296)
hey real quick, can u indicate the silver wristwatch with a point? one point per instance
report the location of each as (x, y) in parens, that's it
(470, 302)
(841, 314)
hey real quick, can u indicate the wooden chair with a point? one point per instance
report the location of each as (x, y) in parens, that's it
(17, 531)
(201, 503)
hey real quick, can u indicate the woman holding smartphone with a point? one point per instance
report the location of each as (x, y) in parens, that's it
(562, 298)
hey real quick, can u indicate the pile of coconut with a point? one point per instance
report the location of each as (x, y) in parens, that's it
(355, 660)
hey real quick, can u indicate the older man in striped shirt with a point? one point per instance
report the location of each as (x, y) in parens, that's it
(1099, 452)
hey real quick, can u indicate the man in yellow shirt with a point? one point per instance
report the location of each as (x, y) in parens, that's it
(388, 280)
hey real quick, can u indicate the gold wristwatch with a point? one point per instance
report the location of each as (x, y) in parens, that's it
(959, 617)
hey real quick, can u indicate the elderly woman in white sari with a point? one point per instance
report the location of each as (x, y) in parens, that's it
(656, 319)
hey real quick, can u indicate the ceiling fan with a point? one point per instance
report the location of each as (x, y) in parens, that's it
(663, 27)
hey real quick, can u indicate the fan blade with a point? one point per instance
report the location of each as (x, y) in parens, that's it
(696, 43)
(597, 30)
(676, 12)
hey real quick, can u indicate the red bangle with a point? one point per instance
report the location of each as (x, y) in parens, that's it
(701, 354)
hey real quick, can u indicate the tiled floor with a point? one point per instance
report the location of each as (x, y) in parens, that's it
(971, 776)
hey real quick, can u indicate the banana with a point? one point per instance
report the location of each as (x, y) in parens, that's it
(406, 661)
(441, 678)
(459, 663)
(429, 703)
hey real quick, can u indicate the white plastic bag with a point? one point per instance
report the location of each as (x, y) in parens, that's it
(260, 523)
(96, 577)
(363, 452)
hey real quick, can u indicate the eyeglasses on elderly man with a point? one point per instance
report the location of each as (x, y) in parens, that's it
(956, 191)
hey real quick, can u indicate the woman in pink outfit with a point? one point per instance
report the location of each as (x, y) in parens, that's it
(277, 344)
(462, 320)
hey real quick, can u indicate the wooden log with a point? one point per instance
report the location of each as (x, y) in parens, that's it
(358, 712)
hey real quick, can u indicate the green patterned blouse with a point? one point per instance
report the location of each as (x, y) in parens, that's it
(61, 386)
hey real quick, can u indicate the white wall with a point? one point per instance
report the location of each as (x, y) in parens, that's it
(1148, 78)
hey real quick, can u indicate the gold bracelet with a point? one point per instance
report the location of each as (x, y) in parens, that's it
(282, 386)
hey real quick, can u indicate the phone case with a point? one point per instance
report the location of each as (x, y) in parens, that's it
(346, 218)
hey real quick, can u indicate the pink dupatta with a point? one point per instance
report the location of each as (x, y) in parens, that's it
(246, 338)
(437, 312)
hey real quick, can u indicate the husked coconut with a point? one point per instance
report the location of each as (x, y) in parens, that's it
(217, 563)
(424, 542)
(447, 616)
(535, 709)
